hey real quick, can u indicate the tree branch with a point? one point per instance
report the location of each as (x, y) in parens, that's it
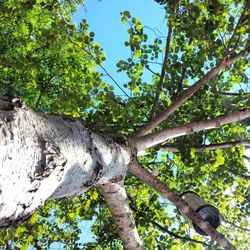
(42, 91)
(30, 230)
(246, 177)
(158, 137)
(7, 245)
(164, 67)
(232, 224)
(155, 121)
(149, 69)
(235, 30)
(99, 64)
(164, 229)
(234, 94)
(183, 207)
(117, 201)
(246, 157)
(210, 147)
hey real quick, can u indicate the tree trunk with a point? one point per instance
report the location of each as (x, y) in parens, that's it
(44, 157)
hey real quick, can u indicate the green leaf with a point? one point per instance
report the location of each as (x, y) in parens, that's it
(137, 53)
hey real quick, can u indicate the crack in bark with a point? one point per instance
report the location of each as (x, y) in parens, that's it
(52, 159)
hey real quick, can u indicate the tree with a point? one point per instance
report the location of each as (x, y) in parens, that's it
(186, 129)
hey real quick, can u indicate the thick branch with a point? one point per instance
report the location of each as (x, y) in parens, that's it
(155, 121)
(158, 137)
(183, 207)
(116, 198)
(164, 229)
(210, 147)
(44, 157)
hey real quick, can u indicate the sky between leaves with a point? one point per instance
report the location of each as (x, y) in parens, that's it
(104, 20)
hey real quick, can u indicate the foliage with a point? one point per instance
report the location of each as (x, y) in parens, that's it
(43, 58)
(51, 63)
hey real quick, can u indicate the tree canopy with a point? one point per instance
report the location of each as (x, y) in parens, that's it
(199, 71)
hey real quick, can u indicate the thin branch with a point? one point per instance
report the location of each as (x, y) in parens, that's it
(158, 137)
(164, 66)
(155, 31)
(235, 31)
(164, 229)
(155, 121)
(7, 246)
(246, 177)
(182, 206)
(154, 73)
(107, 73)
(168, 148)
(36, 241)
(210, 147)
(246, 157)
(183, 73)
(99, 64)
(43, 91)
(234, 225)
(234, 94)
(117, 201)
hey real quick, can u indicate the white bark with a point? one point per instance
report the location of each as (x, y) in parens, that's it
(183, 207)
(44, 157)
(158, 137)
(185, 95)
(209, 147)
(117, 200)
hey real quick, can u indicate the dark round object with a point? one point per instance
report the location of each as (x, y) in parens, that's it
(209, 214)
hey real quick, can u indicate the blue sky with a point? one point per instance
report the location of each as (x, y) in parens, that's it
(104, 20)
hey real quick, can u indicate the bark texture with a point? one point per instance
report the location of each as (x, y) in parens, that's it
(185, 95)
(210, 147)
(158, 137)
(44, 157)
(183, 207)
(117, 200)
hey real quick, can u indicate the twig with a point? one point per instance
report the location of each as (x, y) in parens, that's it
(7, 245)
(164, 229)
(234, 94)
(246, 157)
(234, 225)
(107, 73)
(246, 177)
(154, 73)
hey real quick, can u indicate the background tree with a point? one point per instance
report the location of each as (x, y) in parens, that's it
(188, 125)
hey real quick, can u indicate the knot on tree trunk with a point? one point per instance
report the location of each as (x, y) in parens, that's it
(8, 102)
